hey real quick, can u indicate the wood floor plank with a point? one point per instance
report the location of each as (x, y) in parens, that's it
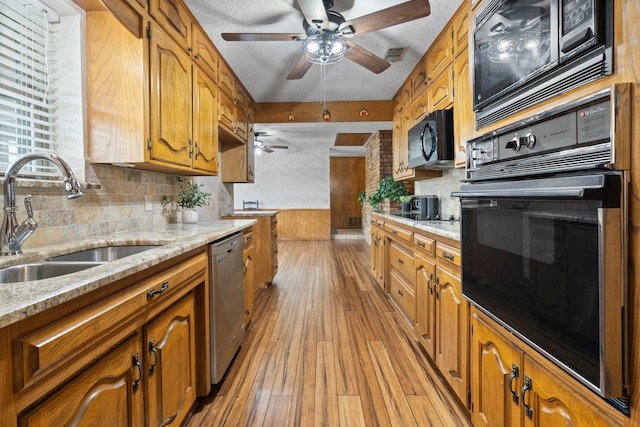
(396, 402)
(326, 390)
(350, 410)
(327, 347)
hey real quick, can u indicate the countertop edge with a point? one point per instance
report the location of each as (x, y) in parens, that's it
(448, 229)
(21, 300)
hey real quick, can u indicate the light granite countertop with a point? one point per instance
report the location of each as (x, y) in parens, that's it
(448, 229)
(21, 300)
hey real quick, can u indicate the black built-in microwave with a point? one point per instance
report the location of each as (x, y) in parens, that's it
(431, 141)
(526, 51)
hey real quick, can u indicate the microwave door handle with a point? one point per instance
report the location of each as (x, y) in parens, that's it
(427, 128)
(568, 193)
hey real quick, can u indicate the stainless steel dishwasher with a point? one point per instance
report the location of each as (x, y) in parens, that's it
(227, 303)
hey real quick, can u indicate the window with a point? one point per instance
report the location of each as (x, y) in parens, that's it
(34, 101)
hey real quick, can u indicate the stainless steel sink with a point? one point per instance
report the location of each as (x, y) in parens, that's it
(104, 254)
(68, 263)
(41, 270)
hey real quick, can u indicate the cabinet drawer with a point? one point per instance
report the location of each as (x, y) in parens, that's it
(377, 223)
(247, 239)
(424, 244)
(399, 232)
(80, 334)
(448, 255)
(401, 260)
(403, 293)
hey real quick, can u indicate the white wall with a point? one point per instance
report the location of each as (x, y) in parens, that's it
(297, 178)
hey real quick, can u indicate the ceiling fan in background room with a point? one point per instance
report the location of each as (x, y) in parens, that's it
(327, 35)
(259, 144)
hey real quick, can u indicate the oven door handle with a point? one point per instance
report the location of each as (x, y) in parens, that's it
(593, 186)
(564, 193)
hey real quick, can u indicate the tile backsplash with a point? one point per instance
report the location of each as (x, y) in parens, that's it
(114, 200)
(443, 187)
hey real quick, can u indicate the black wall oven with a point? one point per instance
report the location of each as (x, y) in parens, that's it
(544, 238)
(525, 51)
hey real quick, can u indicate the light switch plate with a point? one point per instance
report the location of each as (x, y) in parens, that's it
(148, 207)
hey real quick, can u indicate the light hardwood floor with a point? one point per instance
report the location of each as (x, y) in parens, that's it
(328, 348)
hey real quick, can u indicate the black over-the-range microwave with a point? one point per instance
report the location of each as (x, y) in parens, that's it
(431, 141)
(527, 51)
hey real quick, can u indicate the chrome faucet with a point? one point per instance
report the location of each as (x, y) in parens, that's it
(13, 235)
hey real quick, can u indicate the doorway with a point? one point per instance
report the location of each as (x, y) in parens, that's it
(347, 180)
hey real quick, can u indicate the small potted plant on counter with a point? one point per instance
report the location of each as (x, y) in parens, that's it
(191, 196)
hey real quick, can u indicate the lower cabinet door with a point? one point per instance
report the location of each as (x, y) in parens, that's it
(547, 401)
(171, 364)
(425, 303)
(107, 394)
(452, 331)
(496, 379)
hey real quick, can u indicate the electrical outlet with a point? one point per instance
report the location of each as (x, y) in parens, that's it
(148, 206)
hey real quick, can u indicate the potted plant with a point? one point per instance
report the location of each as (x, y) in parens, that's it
(362, 197)
(191, 196)
(388, 188)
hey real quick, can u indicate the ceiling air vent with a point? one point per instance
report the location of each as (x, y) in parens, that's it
(396, 54)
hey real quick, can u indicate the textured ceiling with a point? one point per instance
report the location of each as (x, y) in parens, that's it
(263, 66)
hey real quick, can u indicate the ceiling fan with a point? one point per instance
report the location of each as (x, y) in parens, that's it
(327, 34)
(259, 144)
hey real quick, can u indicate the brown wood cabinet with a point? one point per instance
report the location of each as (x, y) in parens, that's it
(452, 321)
(441, 91)
(249, 275)
(513, 386)
(265, 247)
(174, 18)
(440, 54)
(378, 251)
(205, 55)
(422, 273)
(131, 353)
(205, 123)
(170, 101)
(463, 117)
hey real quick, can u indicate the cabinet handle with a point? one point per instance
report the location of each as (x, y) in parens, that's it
(153, 292)
(422, 245)
(429, 283)
(527, 387)
(154, 350)
(515, 373)
(394, 232)
(400, 261)
(435, 287)
(197, 150)
(448, 256)
(135, 361)
(197, 56)
(400, 293)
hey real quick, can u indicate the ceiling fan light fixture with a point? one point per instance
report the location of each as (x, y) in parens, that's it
(325, 48)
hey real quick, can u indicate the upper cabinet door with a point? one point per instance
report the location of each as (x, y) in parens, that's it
(440, 54)
(174, 18)
(460, 26)
(226, 81)
(205, 123)
(170, 104)
(205, 54)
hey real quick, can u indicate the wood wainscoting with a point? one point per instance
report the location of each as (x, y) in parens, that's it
(304, 224)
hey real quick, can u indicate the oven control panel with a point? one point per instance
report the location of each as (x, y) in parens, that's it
(585, 125)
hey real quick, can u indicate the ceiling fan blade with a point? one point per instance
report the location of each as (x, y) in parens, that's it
(262, 37)
(266, 149)
(366, 59)
(300, 69)
(394, 15)
(314, 12)
(279, 147)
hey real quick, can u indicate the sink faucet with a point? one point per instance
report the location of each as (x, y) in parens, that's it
(12, 235)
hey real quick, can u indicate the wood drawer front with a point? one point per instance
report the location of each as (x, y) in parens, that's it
(399, 232)
(403, 293)
(377, 222)
(401, 260)
(424, 244)
(448, 255)
(40, 352)
(247, 239)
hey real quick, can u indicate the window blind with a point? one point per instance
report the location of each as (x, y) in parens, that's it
(26, 106)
